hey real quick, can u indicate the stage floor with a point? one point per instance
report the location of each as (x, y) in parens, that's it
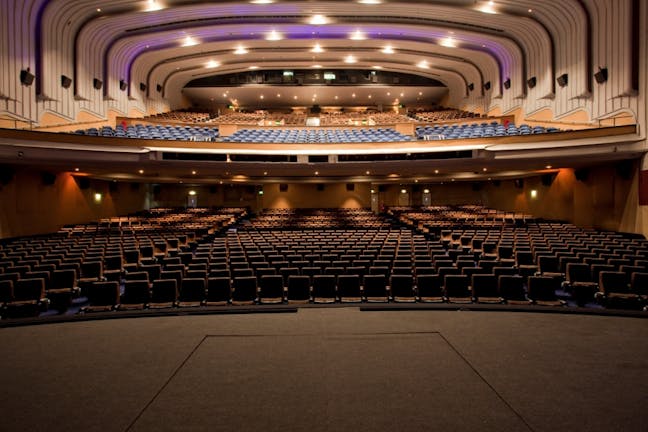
(328, 369)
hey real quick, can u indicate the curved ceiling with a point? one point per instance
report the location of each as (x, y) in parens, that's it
(171, 42)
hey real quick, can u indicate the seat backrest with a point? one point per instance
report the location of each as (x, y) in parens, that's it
(543, 288)
(164, 290)
(613, 282)
(639, 283)
(135, 292)
(511, 287)
(578, 272)
(6, 291)
(29, 289)
(484, 285)
(193, 289)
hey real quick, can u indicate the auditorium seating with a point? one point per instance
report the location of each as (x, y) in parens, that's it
(316, 135)
(181, 133)
(188, 258)
(443, 114)
(182, 116)
(478, 130)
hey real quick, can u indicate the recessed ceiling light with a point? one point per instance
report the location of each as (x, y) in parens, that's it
(265, 172)
(436, 171)
(369, 96)
(420, 93)
(548, 167)
(317, 66)
(98, 9)
(357, 35)
(368, 172)
(279, 95)
(189, 41)
(253, 67)
(212, 64)
(240, 50)
(402, 94)
(224, 95)
(262, 1)
(76, 169)
(141, 171)
(376, 67)
(152, 6)
(350, 59)
(316, 172)
(352, 95)
(317, 49)
(484, 169)
(387, 50)
(261, 97)
(423, 64)
(193, 172)
(295, 97)
(370, 2)
(336, 97)
(274, 36)
(448, 42)
(318, 20)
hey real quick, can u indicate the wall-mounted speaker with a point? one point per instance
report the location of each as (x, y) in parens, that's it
(382, 188)
(48, 178)
(507, 83)
(283, 187)
(563, 80)
(134, 186)
(601, 76)
(471, 86)
(123, 85)
(6, 174)
(547, 179)
(416, 188)
(143, 87)
(83, 182)
(581, 174)
(625, 169)
(158, 88)
(113, 186)
(26, 77)
(350, 187)
(497, 183)
(476, 186)
(96, 83)
(315, 109)
(519, 183)
(320, 187)
(213, 189)
(487, 85)
(66, 81)
(531, 82)
(157, 189)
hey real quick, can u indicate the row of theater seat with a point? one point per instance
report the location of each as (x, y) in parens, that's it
(475, 130)
(316, 135)
(175, 133)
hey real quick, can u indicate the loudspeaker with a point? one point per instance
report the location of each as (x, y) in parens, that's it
(601, 76)
(123, 85)
(83, 182)
(350, 187)
(113, 186)
(547, 179)
(66, 81)
(581, 174)
(487, 85)
(315, 109)
(283, 187)
(134, 186)
(531, 82)
(142, 87)
(158, 88)
(624, 169)
(476, 186)
(562, 80)
(26, 77)
(96, 83)
(416, 188)
(497, 183)
(213, 189)
(157, 189)
(471, 86)
(48, 178)
(382, 188)
(507, 83)
(6, 174)
(519, 183)
(320, 187)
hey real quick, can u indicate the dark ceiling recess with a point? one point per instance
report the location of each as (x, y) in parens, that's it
(331, 77)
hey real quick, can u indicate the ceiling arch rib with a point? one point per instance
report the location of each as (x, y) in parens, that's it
(400, 43)
(148, 28)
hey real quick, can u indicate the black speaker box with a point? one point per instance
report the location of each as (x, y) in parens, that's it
(547, 179)
(531, 82)
(157, 189)
(123, 85)
(6, 174)
(113, 186)
(497, 183)
(283, 187)
(142, 87)
(476, 186)
(83, 182)
(382, 188)
(601, 76)
(158, 88)
(507, 84)
(416, 188)
(134, 186)
(487, 85)
(96, 83)
(350, 187)
(563, 80)
(48, 178)
(26, 77)
(66, 81)
(581, 174)
(519, 183)
(624, 169)
(320, 187)
(213, 189)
